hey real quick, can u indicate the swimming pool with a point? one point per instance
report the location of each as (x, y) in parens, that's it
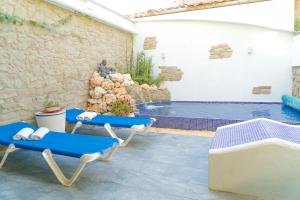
(210, 115)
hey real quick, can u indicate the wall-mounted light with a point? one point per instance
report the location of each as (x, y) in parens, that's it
(163, 56)
(250, 50)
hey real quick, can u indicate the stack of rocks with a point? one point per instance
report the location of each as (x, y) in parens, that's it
(104, 91)
(146, 93)
(106, 86)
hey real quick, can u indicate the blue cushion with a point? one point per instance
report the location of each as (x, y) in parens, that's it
(73, 145)
(115, 121)
(291, 101)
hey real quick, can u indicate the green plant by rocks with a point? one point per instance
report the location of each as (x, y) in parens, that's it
(142, 70)
(122, 107)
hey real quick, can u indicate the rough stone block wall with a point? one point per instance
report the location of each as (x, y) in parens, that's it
(297, 9)
(220, 51)
(170, 73)
(297, 15)
(145, 93)
(35, 62)
(261, 90)
(296, 82)
(150, 43)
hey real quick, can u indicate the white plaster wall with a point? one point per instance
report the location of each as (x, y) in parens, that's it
(186, 44)
(296, 51)
(276, 14)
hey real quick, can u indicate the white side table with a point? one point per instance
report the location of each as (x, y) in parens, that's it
(55, 121)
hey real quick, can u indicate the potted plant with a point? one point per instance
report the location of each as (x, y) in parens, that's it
(122, 107)
(52, 116)
(50, 105)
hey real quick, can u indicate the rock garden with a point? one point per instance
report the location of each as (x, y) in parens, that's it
(115, 93)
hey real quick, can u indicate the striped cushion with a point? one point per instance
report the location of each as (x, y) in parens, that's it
(254, 130)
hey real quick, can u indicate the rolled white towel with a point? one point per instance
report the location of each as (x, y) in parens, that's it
(89, 115)
(81, 116)
(39, 134)
(23, 134)
(86, 116)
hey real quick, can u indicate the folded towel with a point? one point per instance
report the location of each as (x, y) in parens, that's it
(86, 116)
(90, 115)
(23, 134)
(39, 134)
(81, 116)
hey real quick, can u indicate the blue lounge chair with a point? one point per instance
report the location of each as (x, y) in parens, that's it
(134, 124)
(87, 148)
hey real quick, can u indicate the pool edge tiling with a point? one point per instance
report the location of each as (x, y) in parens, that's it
(197, 123)
(190, 123)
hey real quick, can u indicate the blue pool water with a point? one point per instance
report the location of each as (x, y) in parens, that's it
(216, 111)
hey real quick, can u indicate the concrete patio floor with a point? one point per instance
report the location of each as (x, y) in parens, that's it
(155, 166)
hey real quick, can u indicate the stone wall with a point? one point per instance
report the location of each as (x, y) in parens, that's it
(297, 15)
(296, 82)
(262, 90)
(150, 43)
(220, 51)
(145, 93)
(170, 73)
(34, 61)
(297, 9)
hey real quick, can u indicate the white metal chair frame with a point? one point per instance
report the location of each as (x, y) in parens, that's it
(48, 156)
(135, 129)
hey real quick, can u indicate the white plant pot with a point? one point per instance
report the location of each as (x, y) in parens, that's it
(54, 121)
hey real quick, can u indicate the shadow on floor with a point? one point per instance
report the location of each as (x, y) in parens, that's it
(154, 166)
